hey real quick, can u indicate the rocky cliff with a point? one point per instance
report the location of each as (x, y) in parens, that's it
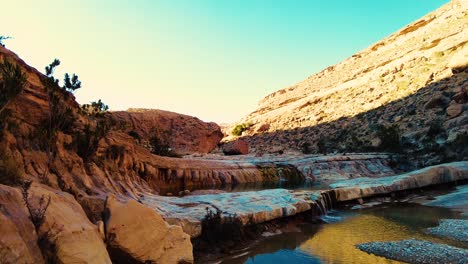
(415, 79)
(185, 134)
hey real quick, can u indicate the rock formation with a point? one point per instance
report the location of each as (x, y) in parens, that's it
(407, 79)
(137, 234)
(187, 134)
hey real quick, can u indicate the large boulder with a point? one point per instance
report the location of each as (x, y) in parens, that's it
(236, 147)
(18, 238)
(137, 234)
(454, 110)
(66, 230)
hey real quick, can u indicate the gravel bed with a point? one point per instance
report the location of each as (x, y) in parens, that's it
(417, 251)
(456, 229)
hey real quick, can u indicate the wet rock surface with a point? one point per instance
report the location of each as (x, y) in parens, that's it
(266, 205)
(366, 187)
(457, 200)
(416, 251)
(249, 207)
(456, 229)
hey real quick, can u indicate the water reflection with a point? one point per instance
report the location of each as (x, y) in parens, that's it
(335, 242)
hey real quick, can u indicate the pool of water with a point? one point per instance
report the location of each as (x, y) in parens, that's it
(335, 242)
(246, 187)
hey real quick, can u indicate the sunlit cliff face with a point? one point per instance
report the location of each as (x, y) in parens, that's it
(374, 86)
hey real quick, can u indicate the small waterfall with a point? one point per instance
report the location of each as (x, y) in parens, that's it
(323, 204)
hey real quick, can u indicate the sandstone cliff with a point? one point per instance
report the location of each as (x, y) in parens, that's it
(416, 79)
(187, 134)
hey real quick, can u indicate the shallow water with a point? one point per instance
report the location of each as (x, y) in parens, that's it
(247, 187)
(335, 242)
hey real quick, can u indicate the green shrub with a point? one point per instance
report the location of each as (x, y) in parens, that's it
(12, 83)
(3, 38)
(87, 141)
(238, 129)
(95, 109)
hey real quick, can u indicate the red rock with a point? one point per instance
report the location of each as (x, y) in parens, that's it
(236, 147)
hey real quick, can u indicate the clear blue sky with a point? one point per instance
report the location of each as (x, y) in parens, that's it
(213, 59)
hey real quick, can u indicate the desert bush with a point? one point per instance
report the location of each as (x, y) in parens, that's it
(3, 38)
(95, 109)
(71, 84)
(12, 83)
(216, 228)
(9, 171)
(36, 214)
(86, 142)
(160, 144)
(47, 239)
(238, 129)
(390, 137)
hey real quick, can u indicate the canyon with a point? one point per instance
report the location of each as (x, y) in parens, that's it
(136, 186)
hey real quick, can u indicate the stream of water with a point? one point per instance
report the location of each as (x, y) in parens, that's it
(335, 242)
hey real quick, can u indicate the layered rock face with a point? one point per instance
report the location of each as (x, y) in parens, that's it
(416, 78)
(187, 134)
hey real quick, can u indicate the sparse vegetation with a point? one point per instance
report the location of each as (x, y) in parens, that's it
(3, 38)
(12, 83)
(238, 129)
(160, 143)
(216, 228)
(36, 213)
(71, 84)
(95, 109)
(86, 142)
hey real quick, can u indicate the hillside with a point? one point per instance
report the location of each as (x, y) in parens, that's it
(415, 79)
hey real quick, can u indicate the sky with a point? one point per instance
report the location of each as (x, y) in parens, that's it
(214, 59)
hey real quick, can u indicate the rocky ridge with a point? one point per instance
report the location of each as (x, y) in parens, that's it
(416, 79)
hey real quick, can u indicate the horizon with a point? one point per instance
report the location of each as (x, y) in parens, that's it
(217, 67)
